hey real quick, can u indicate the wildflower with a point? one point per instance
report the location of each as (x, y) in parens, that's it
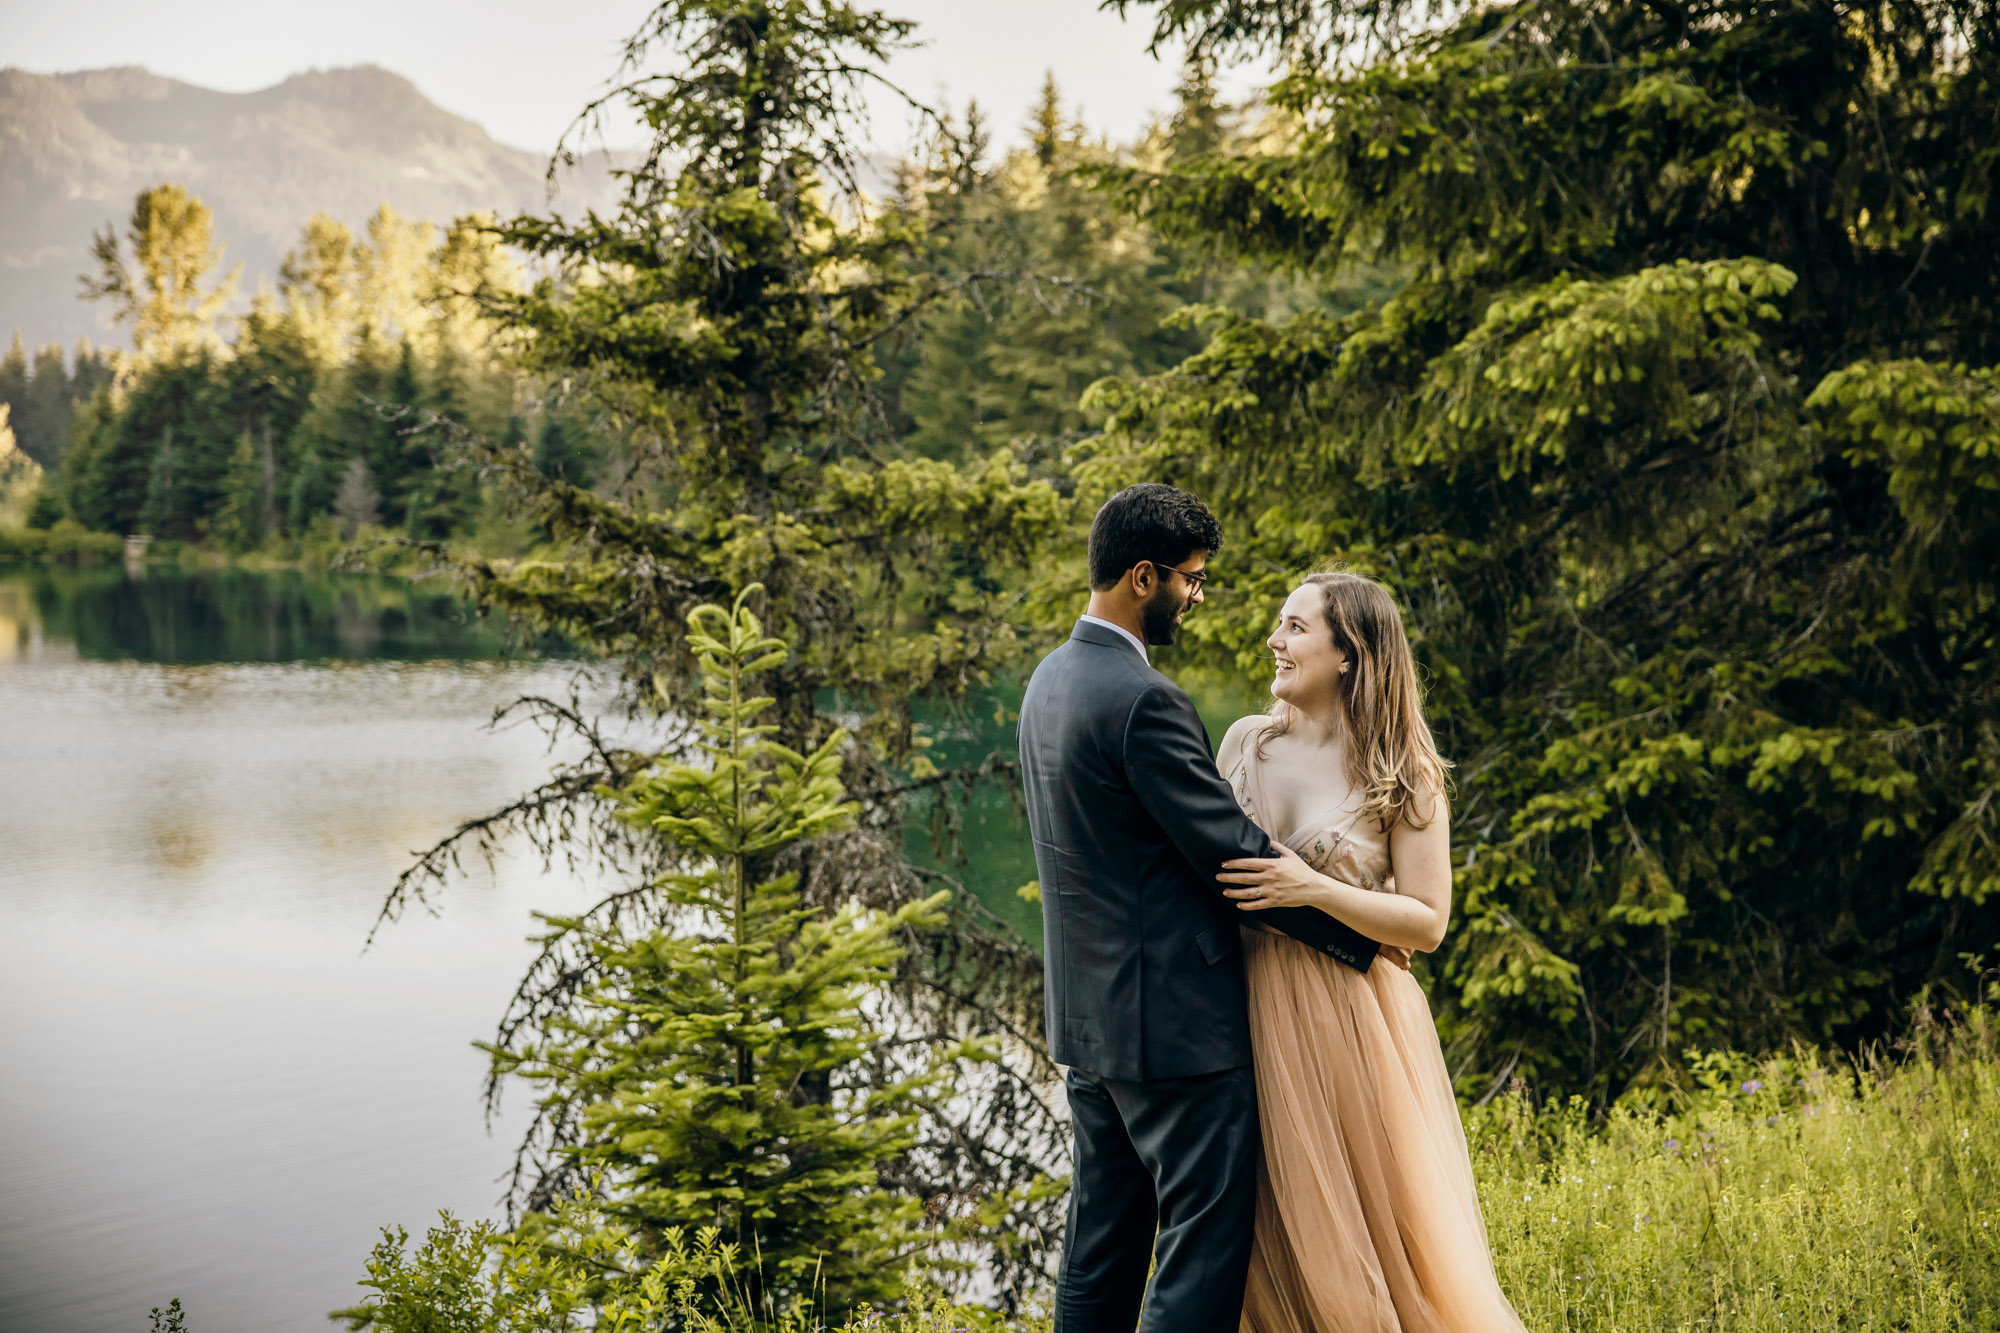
(1751, 1085)
(1673, 1145)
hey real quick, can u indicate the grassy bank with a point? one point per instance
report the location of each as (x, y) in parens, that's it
(1789, 1194)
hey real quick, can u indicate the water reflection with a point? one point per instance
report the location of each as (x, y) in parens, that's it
(173, 615)
(209, 1091)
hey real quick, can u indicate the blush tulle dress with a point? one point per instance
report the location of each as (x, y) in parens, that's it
(1367, 1220)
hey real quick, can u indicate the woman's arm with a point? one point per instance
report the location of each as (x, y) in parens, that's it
(1413, 917)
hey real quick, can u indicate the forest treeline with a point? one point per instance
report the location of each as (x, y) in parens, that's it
(292, 418)
(240, 433)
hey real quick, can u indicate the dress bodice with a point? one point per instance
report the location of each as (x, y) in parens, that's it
(1339, 842)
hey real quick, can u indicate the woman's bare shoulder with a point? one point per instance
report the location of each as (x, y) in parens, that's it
(1430, 799)
(1241, 735)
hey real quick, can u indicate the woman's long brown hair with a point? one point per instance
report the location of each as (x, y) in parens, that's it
(1391, 757)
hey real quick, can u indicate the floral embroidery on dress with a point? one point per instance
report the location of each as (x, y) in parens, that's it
(1322, 854)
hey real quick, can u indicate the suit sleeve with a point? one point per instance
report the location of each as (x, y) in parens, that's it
(1172, 772)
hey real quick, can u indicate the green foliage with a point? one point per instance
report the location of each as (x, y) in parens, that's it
(170, 1320)
(719, 1068)
(1678, 447)
(160, 291)
(725, 320)
(1758, 1195)
(727, 316)
(43, 399)
(249, 442)
(1778, 1194)
(582, 1274)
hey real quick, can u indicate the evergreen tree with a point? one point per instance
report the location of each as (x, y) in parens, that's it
(722, 1076)
(150, 456)
(1679, 444)
(725, 319)
(42, 422)
(91, 368)
(44, 399)
(1090, 292)
(1049, 135)
(564, 450)
(247, 498)
(346, 420)
(442, 493)
(270, 379)
(173, 418)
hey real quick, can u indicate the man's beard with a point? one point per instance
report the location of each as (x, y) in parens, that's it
(1160, 617)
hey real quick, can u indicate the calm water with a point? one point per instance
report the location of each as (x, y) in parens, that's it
(207, 784)
(206, 1089)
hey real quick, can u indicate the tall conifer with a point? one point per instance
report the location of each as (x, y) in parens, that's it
(1679, 443)
(724, 318)
(721, 1069)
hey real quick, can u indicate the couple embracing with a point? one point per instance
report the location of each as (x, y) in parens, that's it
(1261, 1110)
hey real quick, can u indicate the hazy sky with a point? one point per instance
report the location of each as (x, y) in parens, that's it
(523, 68)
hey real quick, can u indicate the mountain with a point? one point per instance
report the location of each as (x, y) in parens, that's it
(75, 149)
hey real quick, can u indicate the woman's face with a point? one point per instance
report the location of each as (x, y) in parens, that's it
(1308, 667)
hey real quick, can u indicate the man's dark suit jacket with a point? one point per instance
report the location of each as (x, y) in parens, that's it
(1144, 972)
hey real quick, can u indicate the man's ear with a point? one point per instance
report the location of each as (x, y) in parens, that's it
(1141, 576)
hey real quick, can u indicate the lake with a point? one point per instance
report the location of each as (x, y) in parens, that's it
(207, 1089)
(208, 783)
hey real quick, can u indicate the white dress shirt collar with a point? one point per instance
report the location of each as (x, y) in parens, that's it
(1130, 637)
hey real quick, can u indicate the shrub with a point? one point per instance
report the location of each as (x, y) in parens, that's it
(71, 543)
(580, 1274)
(22, 543)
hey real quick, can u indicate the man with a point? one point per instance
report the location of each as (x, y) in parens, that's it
(1144, 973)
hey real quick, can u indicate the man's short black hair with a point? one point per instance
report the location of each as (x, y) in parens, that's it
(1150, 521)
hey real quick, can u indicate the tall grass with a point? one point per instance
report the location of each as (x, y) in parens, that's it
(1780, 1195)
(1784, 1194)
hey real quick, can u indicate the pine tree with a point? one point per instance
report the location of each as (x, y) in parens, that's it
(393, 268)
(241, 522)
(1679, 443)
(725, 318)
(720, 1075)
(346, 420)
(270, 380)
(42, 423)
(1011, 362)
(1048, 133)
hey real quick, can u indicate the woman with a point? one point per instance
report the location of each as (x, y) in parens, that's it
(1366, 1215)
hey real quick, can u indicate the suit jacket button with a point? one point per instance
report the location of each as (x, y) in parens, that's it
(1330, 948)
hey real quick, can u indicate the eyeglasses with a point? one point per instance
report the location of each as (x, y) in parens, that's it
(1199, 578)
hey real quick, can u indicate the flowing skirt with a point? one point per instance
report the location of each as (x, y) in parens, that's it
(1367, 1221)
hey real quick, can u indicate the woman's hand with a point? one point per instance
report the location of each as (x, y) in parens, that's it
(1284, 880)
